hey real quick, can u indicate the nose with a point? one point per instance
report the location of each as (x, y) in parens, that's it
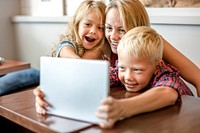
(93, 30)
(114, 35)
(129, 75)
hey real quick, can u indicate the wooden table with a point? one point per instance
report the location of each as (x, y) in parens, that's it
(11, 65)
(180, 118)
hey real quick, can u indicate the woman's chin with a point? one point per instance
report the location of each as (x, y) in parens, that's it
(114, 50)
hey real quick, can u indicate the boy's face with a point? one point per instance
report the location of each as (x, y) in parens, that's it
(135, 74)
(91, 30)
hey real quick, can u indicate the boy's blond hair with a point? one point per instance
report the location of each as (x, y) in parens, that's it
(72, 32)
(142, 42)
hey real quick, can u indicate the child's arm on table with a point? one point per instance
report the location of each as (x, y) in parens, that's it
(112, 109)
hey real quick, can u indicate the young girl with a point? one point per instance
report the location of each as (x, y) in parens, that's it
(84, 39)
(85, 35)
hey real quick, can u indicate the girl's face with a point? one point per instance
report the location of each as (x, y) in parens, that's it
(135, 74)
(114, 29)
(91, 30)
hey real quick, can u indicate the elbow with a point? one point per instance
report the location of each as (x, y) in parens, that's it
(172, 95)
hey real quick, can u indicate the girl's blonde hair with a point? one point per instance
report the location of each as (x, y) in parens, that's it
(142, 42)
(72, 32)
(131, 12)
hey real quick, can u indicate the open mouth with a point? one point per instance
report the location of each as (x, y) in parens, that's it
(89, 39)
(114, 45)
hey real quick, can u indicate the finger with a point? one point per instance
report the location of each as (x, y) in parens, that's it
(108, 115)
(104, 108)
(108, 100)
(39, 109)
(41, 101)
(102, 115)
(38, 92)
(108, 124)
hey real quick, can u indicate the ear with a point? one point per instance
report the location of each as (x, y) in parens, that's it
(160, 64)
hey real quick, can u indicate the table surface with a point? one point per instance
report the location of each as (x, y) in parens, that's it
(182, 117)
(11, 65)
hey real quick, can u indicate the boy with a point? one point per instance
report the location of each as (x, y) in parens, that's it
(141, 69)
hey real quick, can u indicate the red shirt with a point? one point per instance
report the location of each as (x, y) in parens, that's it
(114, 80)
(169, 76)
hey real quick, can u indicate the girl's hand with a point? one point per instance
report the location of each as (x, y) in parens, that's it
(40, 103)
(110, 111)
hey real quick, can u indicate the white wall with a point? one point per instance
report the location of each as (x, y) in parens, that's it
(186, 38)
(179, 26)
(35, 39)
(8, 9)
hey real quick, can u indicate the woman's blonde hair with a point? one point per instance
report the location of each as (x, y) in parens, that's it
(72, 32)
(142, 42)
(131, 12)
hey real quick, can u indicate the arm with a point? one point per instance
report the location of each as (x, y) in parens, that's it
(92, 54)
(69, 52)
(188, 70)
(153, 99)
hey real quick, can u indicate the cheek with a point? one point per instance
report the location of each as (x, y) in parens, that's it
(81, 31)
(121, 76)
(144, 79)
(120, 36)
(101, 34)
(107, 35)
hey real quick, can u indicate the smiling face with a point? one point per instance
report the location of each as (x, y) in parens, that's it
(135, 74)
(91, 30)
(114, 29)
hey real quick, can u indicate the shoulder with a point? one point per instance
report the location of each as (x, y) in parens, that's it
(66, 42)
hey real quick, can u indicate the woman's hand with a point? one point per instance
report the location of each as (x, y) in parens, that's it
(40, 103)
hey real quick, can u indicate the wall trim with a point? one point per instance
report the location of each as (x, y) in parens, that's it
(178, 16)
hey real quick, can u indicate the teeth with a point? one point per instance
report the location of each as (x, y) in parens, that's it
(90, 39)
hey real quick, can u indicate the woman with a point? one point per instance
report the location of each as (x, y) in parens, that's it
(121, 16)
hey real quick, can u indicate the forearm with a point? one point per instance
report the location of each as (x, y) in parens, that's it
(188, 70)
(92, 54)
(150, 100)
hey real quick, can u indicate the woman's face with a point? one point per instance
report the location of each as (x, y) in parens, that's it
(114, 29)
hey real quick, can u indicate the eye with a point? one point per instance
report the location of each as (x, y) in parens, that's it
(108, 28)
(101, 28)
(121, 68)
(87, 24)
(137, 70)
(122, 31)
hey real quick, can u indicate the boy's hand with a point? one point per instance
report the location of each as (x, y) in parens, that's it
(110, 110)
